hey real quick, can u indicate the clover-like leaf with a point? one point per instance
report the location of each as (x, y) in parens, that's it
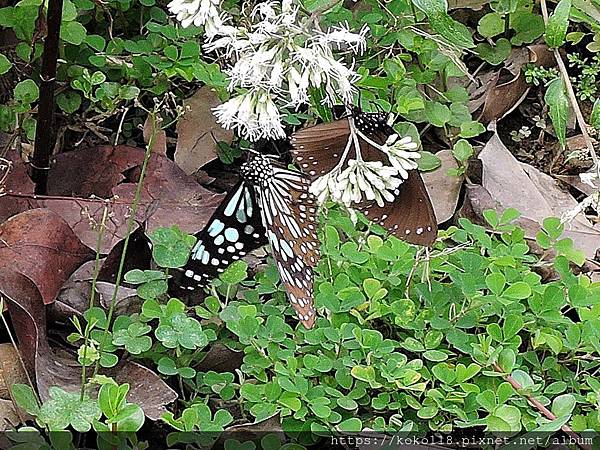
(65, 409)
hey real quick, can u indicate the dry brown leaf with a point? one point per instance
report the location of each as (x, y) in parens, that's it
(92, 171)
(40, 245)
(198, 132)
(443, 189)
(170, 197)
(501, 93)
(535, 194)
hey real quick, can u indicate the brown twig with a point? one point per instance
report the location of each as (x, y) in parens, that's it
(572, 97)
(541, 408)
(44, 136)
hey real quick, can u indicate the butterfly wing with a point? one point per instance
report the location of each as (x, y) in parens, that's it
(410, 216)
(289, 216)
(318, 149)
(234, 229)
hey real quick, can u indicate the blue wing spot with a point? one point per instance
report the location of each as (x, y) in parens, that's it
(231, 234)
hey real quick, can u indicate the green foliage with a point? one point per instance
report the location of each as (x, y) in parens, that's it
(558, 105)
(558, 22)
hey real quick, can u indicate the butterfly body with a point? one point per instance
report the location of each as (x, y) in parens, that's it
(322, 149)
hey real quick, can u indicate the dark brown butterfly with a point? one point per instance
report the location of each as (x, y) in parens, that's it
(318, 149)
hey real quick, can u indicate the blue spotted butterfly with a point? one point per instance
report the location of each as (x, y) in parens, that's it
(272, 204)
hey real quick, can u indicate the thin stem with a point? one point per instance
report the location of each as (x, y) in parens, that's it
(541, 408)
(88, 329)
(572, 97)
(130, 222)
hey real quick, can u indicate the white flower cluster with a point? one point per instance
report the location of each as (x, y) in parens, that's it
(278, 58)
(371, 178)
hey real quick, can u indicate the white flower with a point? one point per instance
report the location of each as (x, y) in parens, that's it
(253, 114)
(342, 35)
(198, 12)
(278, 54)
(269, 119)
(402, 154)
(371, 178)
(238, 113)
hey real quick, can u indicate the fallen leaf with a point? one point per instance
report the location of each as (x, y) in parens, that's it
(74, 296)
(169, 197)
(55, 366)
(443, 189)
(198, 132)
(535, 194)
(220, 358)
(40, 245)
(17, 181)
(92, 171)
(503, 91)
(11, 370)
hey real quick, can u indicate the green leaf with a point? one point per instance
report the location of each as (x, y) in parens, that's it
(511, 415)
(495, 282)
(65, 408)
(490, 25)
(69, 101)
(471, 129)
(558, 105)
(428, 161)
(462, 150)
(25, 397)
(26, 91)
(363, 373)
(518, 290)
(558, 22)
(435, 355)
(353, 424)
(96, 42)
(5, 64)
(512, 325)
(437, 114)
(171, 247)
(73, 33)
(448, 28)
(235, 273)
(563, 405)
(494, 54)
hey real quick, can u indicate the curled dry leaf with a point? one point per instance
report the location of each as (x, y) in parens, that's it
(40, 245)
(54, 366)
(501, 91)
(443, 189)
(536, 195)
(198, 132)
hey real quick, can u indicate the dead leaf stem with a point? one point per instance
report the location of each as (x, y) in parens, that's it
(572, 97)
(541, 408)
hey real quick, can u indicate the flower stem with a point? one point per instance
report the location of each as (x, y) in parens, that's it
(88, 328)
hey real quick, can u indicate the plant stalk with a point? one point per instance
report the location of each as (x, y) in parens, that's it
(44, 135)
